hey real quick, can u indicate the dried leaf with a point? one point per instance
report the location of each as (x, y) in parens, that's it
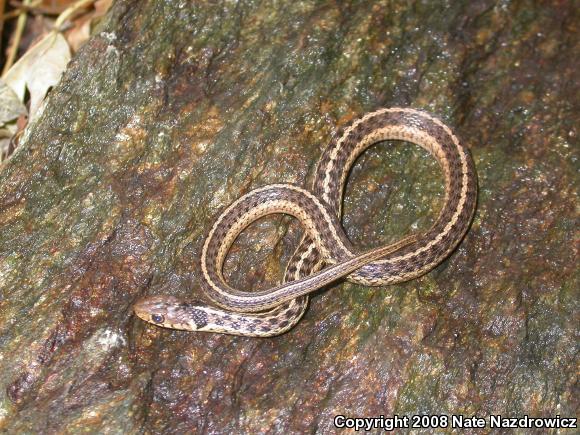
(10, 106)
(39, 69)
(78, 34)
(4, 146)
(54, 7)
(82, 26)
(102, 6)
(6, 135)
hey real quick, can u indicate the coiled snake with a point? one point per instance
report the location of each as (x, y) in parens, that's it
(276, 310)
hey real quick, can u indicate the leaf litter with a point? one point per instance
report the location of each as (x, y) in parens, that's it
(25, 84)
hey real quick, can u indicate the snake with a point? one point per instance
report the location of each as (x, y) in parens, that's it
(325, 254)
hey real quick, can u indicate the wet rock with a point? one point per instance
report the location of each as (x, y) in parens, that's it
(175, 109)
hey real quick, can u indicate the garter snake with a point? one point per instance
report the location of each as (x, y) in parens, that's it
(276, 310)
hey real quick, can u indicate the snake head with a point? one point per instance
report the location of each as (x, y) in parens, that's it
(170, 312)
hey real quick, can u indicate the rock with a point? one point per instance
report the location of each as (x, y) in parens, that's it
(175, 109)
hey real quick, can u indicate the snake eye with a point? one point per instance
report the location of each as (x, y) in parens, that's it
(158, 318)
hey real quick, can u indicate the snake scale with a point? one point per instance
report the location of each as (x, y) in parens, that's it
(325, 254)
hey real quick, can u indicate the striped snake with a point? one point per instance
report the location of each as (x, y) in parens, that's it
(276, 310)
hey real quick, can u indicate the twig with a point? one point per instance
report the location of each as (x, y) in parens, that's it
(69, 12)
(13, 49)
(22, 9)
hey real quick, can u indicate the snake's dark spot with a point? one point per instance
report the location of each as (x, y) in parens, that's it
(158, 318)
(199, 317)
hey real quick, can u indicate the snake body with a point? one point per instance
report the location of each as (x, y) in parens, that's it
(276, 310)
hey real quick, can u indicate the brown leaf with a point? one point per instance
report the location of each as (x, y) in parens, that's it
(102, 6)
(80, 32)
(83, 25)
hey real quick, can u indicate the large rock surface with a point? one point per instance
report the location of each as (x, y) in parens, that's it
(174, 109)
